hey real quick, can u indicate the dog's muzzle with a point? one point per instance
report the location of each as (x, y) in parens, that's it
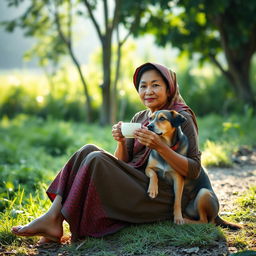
(151, 128)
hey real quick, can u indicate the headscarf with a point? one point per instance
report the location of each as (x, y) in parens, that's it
(175, 102)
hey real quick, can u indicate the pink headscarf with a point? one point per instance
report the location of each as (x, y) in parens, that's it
(176, 102)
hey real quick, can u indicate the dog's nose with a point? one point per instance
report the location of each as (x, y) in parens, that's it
(151, 127)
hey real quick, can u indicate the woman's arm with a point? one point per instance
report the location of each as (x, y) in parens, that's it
(121, 150)
(153, 141)
(188, 166)
(178, 162)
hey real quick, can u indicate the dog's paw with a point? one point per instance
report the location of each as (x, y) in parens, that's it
(153, 192)
(179, 220)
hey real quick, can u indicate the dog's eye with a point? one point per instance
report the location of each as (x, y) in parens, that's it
(162, 118)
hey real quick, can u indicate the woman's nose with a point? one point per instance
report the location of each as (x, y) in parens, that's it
(149, 90)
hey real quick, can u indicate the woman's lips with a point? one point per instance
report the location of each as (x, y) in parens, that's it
(149, 99)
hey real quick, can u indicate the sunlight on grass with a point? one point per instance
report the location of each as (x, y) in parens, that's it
(51, 142)
(215, 154)
(20, 210)
(244, 213)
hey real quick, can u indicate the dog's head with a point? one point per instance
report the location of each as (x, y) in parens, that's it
(165, 122)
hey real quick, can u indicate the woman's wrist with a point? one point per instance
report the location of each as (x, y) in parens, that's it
(121, 143)
(162, 148)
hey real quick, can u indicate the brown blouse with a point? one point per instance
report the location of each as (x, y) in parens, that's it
(138, 153)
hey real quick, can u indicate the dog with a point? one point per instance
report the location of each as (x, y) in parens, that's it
(167, 124)
(203, 204)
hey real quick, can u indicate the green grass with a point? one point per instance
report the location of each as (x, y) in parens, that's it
(245, 213)
(220, 137)
(146, 239)
(33, 150)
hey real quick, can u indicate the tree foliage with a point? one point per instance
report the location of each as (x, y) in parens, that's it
(210, 28)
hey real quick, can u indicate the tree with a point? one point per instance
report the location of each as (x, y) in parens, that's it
(210, 28)
(55, 17)
(123, 12)
(136, 9)
(105, 36)
(51, 23)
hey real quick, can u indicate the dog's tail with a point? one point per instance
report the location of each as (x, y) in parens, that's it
(226, 224)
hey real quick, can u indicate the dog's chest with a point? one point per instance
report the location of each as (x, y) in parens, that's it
(162, 168)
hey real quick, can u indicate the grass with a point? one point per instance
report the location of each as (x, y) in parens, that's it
(245, 213)
(220, 137)
(146, 239)
(32, 150)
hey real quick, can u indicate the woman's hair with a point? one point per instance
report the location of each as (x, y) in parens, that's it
(146, 68)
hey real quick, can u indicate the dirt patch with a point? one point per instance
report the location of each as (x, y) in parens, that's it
(230, 183)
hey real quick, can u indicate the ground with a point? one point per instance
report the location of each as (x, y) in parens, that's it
(228, 183)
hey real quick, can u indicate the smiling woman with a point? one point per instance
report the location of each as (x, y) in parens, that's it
(98, 193)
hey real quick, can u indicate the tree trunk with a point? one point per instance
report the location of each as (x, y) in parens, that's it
(240, 73)
(88, 104)
(114, 90)
(105, 114)
(239, 62)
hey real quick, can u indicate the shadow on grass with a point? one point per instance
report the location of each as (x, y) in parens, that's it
(163, 238)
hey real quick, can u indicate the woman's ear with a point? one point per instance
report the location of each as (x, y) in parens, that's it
(176, 118)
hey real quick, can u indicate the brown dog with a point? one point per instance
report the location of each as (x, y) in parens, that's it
(166, 124)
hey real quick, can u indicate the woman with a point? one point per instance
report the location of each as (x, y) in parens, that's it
(98, 193)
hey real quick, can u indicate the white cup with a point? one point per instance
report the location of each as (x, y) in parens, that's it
(128, 129)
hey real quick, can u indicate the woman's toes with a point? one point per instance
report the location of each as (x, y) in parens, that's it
(17, 229)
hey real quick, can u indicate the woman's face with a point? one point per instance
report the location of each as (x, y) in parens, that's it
(152, 90)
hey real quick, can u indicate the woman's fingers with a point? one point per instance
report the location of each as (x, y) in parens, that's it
(116, 132)
(145, 137)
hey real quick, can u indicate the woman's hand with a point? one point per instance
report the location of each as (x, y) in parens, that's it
(148, 138)
(116, 132)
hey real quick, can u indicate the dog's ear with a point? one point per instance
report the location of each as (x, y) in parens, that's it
(176, 118)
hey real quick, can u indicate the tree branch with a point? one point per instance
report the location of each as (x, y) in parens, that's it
(134, 25)
(217, 63)
(89, 9)
(116, 14)
(106, 21)
(70, 21)
(57, 20)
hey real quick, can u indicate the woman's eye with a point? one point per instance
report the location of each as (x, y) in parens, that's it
(155, 85)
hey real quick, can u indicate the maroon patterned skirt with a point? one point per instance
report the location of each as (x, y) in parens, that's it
(101, 194)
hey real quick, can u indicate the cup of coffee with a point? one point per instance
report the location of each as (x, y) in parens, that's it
(128, 129)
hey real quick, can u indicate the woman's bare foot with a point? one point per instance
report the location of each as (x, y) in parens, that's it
(47, 226)
(44, 240)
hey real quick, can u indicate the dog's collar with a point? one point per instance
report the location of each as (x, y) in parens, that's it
(175, 146)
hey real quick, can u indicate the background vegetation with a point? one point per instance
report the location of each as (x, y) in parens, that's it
(46, 116)
(34, 149)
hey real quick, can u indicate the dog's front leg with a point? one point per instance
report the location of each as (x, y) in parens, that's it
(153, 182)
(178, 190)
